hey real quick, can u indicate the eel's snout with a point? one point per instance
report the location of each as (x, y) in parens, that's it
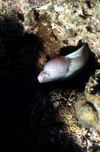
(42, 77)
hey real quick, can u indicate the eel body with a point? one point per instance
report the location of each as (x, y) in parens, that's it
(64, 67)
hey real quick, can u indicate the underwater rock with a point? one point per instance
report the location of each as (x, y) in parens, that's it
(86, 112)
(88, 103)
(94, 149)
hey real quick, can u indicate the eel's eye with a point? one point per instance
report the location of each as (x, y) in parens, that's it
(47, 75)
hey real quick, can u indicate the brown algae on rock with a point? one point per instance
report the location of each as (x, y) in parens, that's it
(61, 108)
(50, 46)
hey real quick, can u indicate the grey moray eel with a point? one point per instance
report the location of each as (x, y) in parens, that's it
(64, 67)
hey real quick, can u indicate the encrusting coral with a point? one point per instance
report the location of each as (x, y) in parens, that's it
(88, 103)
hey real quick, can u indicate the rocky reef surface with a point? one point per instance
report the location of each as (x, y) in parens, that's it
(59, 116)
(88, 103)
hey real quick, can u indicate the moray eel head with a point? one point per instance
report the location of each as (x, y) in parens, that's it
(55, 69)
(64, 67)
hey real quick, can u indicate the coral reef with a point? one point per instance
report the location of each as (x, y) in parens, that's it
(39, 117)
